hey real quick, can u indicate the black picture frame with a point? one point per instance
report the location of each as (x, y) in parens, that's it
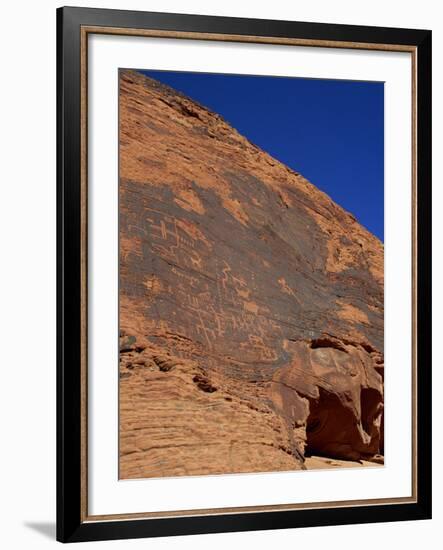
(71, 523)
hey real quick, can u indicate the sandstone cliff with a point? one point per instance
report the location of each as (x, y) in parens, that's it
(251, 305)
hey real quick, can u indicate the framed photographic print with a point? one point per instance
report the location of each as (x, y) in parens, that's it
(244, 236)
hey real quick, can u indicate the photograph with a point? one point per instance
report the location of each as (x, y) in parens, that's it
(251, 273)
(217, 262)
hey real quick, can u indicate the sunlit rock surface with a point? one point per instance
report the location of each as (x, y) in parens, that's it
(251, 305)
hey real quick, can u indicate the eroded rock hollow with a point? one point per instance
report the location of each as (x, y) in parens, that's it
(251, 305)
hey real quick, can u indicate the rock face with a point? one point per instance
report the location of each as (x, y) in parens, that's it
(251, 305)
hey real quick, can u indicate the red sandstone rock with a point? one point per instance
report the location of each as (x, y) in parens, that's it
(251, 305)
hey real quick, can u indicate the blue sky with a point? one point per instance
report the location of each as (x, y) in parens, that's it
(331, 131)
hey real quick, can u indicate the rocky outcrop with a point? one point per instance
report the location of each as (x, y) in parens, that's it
(251, 305)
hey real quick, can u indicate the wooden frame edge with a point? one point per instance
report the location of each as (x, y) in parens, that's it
(189, 35)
